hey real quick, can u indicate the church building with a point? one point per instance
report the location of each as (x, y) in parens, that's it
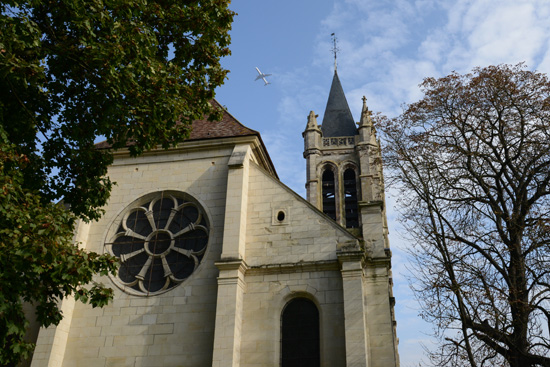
(223, 265)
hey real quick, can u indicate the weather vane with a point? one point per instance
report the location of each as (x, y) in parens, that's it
(335, 48)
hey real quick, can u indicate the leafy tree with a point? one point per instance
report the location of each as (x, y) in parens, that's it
(134, 72)
(38, 260)
(472, 162)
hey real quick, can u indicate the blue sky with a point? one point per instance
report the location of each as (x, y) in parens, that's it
(386, 49)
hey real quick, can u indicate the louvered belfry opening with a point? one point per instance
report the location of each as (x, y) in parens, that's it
(329, 194)
(300, 334)
(350, 199)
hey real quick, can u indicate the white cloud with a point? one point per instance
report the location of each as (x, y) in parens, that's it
(389, 47)
(481, 33)
(433, 46)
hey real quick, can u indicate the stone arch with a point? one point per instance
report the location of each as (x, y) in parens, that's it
(301, 332)
(350, 195)
(328, 174)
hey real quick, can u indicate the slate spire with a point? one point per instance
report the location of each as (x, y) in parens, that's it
(338, 120)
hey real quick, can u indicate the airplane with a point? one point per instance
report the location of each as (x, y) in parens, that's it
(262, 76)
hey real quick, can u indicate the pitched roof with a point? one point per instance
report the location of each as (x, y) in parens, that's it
(227, 127)
(338, 120)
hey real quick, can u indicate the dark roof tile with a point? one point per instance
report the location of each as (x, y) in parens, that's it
(337, 120)
(227, 127)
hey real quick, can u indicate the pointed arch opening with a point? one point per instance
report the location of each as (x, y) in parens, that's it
(329, 193)
(350, 199)
(300, 334)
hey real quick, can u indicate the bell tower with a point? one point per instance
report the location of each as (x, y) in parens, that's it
(333, 165)
(345, 182)
(343, 168)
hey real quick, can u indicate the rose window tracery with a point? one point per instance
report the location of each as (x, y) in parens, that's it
(159, 243)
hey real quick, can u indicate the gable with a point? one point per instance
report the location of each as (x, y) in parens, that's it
(283, 228)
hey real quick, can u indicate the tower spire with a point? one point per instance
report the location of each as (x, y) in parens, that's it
(335, 50)
(337, 120)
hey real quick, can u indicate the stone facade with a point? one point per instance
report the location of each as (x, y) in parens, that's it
(265, 247)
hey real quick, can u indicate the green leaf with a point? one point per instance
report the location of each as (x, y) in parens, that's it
(72, 72)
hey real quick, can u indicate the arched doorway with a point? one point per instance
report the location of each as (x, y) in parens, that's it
(300, 334)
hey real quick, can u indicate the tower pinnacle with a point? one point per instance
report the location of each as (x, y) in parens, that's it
(365, 114)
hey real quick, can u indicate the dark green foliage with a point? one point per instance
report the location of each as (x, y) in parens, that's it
(134, 72)
(71, 71)
(39, 262)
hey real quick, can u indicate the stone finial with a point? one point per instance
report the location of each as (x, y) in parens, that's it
(365, 115)
(312, 121)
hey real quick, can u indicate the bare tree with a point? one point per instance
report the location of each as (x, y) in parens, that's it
(472, 161)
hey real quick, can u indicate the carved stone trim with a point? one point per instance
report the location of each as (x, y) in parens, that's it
(366, 204)
(344, 141)
(300, 267)
(232, 272)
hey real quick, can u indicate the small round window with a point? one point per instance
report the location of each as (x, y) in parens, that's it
(160, 241)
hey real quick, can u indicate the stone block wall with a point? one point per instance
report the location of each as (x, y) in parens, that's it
(172, 329)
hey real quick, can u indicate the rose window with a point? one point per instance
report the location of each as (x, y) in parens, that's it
(159, 244)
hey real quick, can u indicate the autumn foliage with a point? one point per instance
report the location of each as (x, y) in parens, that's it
(472, 163)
